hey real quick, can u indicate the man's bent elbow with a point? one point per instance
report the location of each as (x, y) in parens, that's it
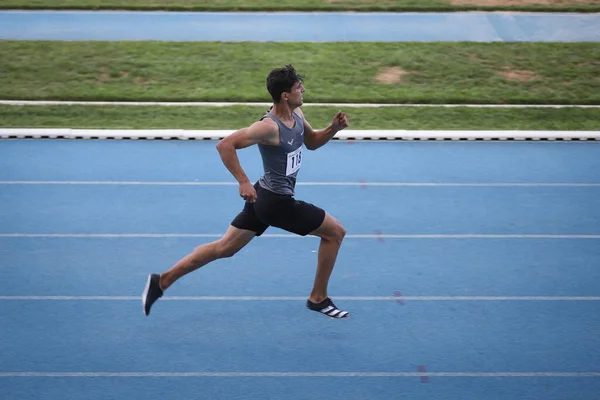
(223, 145)
(310, 146)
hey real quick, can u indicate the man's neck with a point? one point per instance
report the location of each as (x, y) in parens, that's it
(283, 111)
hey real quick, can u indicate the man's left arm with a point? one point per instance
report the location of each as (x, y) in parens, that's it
(315, 139)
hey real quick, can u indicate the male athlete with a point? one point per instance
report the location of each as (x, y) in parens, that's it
(279, 134)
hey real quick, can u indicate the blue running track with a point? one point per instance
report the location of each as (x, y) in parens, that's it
(435, 315)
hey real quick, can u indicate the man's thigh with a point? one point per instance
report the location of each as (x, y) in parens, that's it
(248, 220)
(299, 217)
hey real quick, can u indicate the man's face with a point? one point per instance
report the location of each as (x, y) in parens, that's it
(295, 94)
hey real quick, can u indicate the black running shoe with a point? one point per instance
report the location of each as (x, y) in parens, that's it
(152, 292)
(328, 308)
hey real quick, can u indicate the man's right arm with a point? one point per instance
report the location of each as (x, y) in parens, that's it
(265, 132)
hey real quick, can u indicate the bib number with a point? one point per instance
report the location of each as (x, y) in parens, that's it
(294, 161)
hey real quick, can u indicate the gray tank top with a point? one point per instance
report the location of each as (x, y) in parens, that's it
(281, 163)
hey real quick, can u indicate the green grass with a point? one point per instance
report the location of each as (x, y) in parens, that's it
(235, 117)
(334, 72)
(304, 5)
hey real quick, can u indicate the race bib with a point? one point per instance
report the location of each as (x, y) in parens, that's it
(294, 160)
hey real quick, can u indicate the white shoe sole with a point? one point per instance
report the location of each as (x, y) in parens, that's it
(145, 294)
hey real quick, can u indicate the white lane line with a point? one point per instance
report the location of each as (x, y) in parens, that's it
(297, 374)
(360, 183)
(290, 235)
(264, 104)
(296, 298)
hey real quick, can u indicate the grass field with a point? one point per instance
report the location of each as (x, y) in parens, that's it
(334, 72)
(306, 5)
(234, 117)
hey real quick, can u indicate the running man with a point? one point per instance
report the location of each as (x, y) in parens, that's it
(279, 134)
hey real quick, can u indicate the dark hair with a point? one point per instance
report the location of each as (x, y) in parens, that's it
(281, 80)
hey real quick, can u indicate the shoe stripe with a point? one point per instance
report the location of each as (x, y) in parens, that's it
(343, 314)
(326, 310)
(146, 289)
(333, 313)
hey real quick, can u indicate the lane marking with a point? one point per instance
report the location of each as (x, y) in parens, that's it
(299, 298)
(361, 183)
(398, 297)
(293, 236)
(265, 104)
(298, 374)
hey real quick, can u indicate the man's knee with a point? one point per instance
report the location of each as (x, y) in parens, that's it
(233, 241)
(225, 249)
(340, 233)
(337, 232)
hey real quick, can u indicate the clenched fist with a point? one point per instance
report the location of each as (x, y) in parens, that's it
(247, 192)
(340, 121)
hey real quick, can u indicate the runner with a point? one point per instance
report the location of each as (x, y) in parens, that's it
(280, 135)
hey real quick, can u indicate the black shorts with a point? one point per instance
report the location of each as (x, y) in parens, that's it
(281, 211)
